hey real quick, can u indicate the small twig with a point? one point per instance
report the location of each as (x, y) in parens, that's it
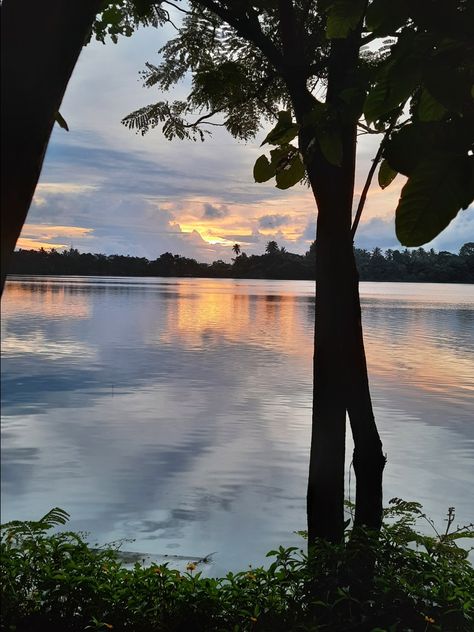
(368, 129)
(450, 519)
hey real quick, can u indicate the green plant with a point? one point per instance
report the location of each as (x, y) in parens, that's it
(56, 581)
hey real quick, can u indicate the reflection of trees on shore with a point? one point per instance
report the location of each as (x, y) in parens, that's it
(276, 263)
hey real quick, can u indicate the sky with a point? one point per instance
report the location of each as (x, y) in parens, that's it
(106, 189)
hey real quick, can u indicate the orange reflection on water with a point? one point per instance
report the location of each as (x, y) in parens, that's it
(226, 313)
(45, 299)
(429, 363)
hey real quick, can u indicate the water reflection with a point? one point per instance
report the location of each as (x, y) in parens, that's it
(177, 411)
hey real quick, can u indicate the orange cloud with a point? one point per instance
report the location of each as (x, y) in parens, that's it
(218, 220)
(36, 236)
(33, 244)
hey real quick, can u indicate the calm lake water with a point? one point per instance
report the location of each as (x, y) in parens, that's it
(177, 411)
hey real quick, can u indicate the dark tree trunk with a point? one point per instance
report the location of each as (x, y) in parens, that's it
(340, 374)
(331, 356)
(340, 371)
(41, 42)
(368, 458)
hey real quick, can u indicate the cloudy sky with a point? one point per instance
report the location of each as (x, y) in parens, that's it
(106, 189)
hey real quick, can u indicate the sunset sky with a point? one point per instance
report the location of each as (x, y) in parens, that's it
(106, 189)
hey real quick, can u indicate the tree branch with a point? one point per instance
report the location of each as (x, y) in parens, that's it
(202, 119)
(370, 175)
(176, 7)
(365, 190)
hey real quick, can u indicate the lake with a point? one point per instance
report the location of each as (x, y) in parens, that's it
(177, 411)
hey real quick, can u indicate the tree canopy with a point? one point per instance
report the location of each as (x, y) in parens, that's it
(412, 84)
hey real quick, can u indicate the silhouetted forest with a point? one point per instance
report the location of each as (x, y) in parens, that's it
(275, 263)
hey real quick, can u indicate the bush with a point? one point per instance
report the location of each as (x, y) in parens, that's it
(399, 580)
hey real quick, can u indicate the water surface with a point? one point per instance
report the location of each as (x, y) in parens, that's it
(177, 411)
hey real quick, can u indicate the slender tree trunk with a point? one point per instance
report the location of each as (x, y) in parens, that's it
(332, 333)
(340, 375)
(340, 371)
(368, 458)
(41, 42)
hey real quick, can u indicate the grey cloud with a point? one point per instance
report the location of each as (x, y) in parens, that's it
(273, 221)
(254, 238)
(310, 231)
(381, 232)
(376, 232)
(215, 212)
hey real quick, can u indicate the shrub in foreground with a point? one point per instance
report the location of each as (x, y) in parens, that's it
(411, 582)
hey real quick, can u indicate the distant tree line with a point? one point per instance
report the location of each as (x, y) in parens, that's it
(275, 263)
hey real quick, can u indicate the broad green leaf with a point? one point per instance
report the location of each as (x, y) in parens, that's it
(394, 85)
(432, 197)
(281, 155)
(385, 16)
(290, 175)
(407, 147)
(429, 109)
(386, 174)
(317, 112)
(343, 17)
(60, 121)
(375, 102)
(331, 146)
(449, 85)
(283, 132)
(263, 170)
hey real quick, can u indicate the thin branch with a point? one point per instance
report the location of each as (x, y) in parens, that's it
(176, 7)
(370, 175)
(169, 20)
(363, 197)
(203, 118)
(368, 129)
(368, 38)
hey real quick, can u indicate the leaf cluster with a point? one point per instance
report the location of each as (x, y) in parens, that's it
(430, 72)
(230, 78)
(419, 583)
(123, 17)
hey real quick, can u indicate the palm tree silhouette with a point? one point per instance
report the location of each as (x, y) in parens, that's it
(236, 249)
(272, 248)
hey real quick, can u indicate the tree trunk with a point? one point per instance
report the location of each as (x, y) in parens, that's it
(332, 333)
(340, 376)
(340, 371)
(368, 458)
(41, 42)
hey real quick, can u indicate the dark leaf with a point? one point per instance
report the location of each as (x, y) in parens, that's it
(386, 174)
(438, 188)
(290, 175)
(263, 170)
(343, 17)
(60, 121)
(283, 132)
(429, 109)
(385, 16)
(331, 146)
